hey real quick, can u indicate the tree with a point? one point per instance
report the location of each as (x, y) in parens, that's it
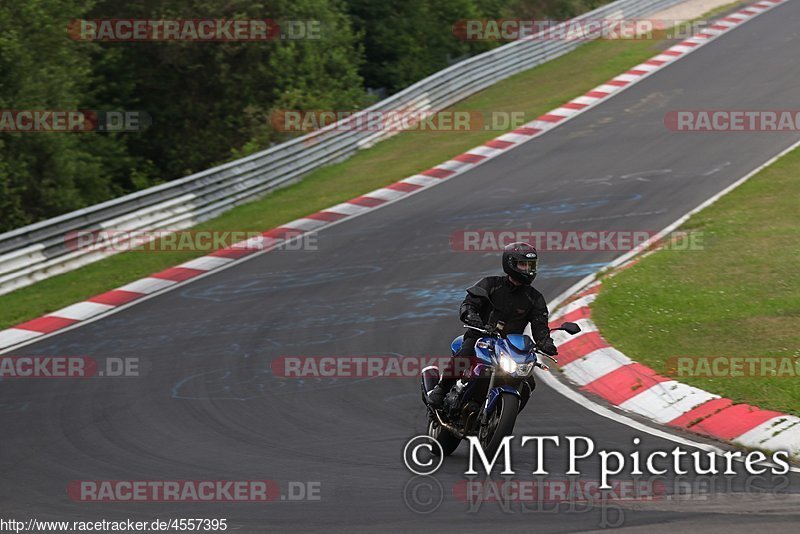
(45, 174)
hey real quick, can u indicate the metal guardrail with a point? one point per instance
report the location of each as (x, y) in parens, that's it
(43, 249)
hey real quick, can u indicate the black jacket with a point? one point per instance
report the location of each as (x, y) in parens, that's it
(515, 305)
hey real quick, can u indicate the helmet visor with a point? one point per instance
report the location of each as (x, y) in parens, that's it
(526, 266)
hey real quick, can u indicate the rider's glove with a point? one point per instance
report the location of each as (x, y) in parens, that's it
(549, 348)
(473, 319)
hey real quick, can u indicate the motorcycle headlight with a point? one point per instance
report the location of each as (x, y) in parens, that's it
(507, 364)
(511, 367)
(524, 369)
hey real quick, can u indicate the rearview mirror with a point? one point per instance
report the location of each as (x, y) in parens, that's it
(570, 328)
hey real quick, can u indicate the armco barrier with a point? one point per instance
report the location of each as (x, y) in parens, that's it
(40, 250)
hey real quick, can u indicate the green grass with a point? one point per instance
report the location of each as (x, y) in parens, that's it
(532, 92)
(738, 296)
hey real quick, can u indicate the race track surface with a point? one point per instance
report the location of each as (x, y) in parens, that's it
(388, 283)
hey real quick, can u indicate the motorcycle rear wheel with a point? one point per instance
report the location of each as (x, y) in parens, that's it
(448, 441)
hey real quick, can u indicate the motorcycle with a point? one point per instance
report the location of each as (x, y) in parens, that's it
(486, 400)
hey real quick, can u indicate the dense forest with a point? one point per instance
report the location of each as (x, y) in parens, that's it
(209, 102)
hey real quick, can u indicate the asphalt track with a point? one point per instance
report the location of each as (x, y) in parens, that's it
(208, 407)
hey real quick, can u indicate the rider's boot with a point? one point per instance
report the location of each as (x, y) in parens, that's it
(437, 394)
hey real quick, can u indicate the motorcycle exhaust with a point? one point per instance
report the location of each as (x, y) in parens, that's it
(430, 377)
(450, 428)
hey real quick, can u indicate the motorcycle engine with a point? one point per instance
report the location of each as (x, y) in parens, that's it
(451, 399)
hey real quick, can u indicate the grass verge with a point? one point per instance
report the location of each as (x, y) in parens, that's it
(738, 296)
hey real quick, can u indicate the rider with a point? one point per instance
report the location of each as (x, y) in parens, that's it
(514, 301)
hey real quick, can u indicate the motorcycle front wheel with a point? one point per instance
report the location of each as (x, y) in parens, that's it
(500, 424)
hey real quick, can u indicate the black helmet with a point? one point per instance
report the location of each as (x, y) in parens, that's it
(517, 253)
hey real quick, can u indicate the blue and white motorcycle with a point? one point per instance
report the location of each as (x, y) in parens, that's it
(487, 398)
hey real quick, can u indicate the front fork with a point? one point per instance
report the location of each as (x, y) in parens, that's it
(484, 412)
(514, 387)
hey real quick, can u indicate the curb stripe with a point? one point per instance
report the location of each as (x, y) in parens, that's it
(232, 253)
(576, 348)
(438, 173)
(367, 201)
(205, 263)
(497, 143)
(405, 187)
(46, 324)
(595, 365)
(115, 297)
(348, 208)
(779, 433)
(575, 315)
(16, 335)
(624, 383)
(327, 216)
(666, 401)
(177, 274)
(148, 285)
(81, 310)
(282, 232)
(550, 117)
(693, 419)
(734, 421)
(471, 158)
(418, 179)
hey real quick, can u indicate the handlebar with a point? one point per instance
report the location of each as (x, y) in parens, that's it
(490, 332)
(495, 333)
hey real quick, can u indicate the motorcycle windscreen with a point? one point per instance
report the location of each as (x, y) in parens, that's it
(520, 342)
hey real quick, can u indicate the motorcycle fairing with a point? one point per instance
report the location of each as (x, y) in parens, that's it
(455, 346)
(519, 356)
